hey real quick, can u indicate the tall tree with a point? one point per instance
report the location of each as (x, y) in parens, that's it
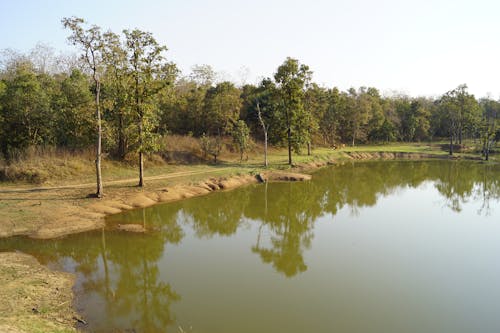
(150, 74)
(91, 44)
(291, 79)
(315, 104)
(461, 111)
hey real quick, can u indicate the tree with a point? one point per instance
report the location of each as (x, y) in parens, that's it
(460, 110)
(291, 79)
(221, 108)
(260, 110)
(414, 119)
(27, 117)
(315, 104)
(328, 114)
(491, 111)
(211, 146)
(357, 113)
(241, 137)
(376, 117)
(91, 44)
(203, 75)
(150, 74)
(265, 129)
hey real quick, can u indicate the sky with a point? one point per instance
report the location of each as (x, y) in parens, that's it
(419, 48)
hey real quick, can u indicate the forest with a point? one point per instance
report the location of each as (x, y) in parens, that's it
(121, 94)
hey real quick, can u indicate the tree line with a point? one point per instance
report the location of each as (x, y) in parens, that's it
(122, 94)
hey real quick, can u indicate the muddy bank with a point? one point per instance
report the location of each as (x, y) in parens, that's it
(34, 298)
(93, 216)
(278, 176)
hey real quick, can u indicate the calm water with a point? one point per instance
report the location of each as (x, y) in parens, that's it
(369, 247)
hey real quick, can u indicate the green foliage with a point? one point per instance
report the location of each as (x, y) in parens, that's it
(27, 117)
(222, 106)
(241, 137)
(460, 113)
(291, 80)
(75, 117)
(117, 90)
(128, 79)
(415, 120)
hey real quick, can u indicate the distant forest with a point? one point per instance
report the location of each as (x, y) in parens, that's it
(124, 86)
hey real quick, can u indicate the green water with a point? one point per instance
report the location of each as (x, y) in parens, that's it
(370, 247)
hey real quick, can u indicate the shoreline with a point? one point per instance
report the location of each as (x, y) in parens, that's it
(68, 218)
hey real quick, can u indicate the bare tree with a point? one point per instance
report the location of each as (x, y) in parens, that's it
(265, 128)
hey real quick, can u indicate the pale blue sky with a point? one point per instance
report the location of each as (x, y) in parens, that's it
(418, 47)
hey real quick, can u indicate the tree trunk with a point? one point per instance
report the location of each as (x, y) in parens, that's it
(141, 156)
(121, 136)
(451, 144)
(141, 169)
(264, 128)
(99, 190)
(308, 149)
(289, 134)
(265, 149)
(487, 150)
(141, 135)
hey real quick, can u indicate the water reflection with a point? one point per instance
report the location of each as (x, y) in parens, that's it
(120, 277)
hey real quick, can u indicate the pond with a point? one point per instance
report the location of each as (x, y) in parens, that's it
(388, 246)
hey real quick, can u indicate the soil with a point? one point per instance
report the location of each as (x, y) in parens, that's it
(34, 298)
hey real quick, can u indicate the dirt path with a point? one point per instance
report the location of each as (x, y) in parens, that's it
(116, 182)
